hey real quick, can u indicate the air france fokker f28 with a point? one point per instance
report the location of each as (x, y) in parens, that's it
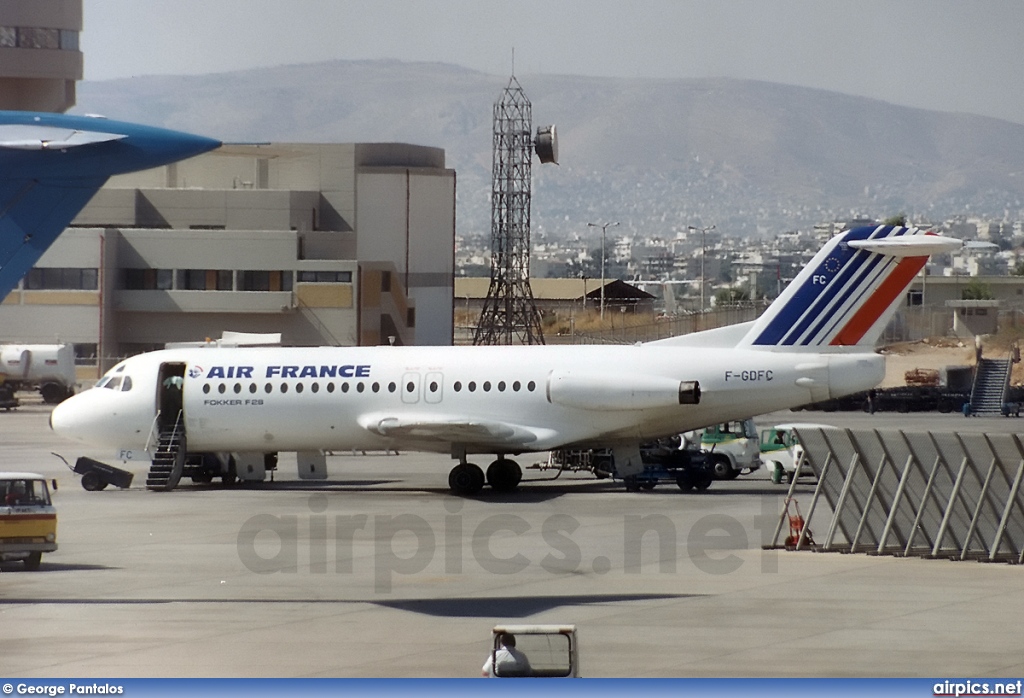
(813, 343)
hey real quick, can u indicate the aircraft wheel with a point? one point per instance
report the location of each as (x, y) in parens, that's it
(466, 479)
(504, 475)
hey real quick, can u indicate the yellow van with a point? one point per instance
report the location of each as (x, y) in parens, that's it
(28, 521)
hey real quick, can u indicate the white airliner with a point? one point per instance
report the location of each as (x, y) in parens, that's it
(813, 343)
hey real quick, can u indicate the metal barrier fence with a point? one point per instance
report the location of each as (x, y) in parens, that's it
(934, 495)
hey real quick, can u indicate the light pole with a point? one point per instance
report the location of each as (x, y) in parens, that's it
(604, 227)
(703, 236)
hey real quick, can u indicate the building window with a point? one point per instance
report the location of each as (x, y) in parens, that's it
(410, 317)
(205, 280)
(192, 279)
(68, 40)
(325, 277)
(147, 279)
(62, 278)
(385, 282)
(37, 37)
(915, 298)
(85, 354)
(264, 281)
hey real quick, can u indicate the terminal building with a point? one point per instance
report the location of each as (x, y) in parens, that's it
(326, 244)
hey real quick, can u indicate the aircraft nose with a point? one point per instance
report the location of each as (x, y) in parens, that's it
(66, 419)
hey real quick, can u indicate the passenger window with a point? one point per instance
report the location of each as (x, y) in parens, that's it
(531, 386)
(516, 386)
(501, 386)
(268, 388)
(344, 387)
(206, 388)
(457, 386)
(330, 387)
(359, 387)
(392, 387)
(298, 388)
(487, 386)
(284, 387)
(252, 387)
(472, 386)
(433, 386)
(238, 388)
(315, 387)
(376, 387)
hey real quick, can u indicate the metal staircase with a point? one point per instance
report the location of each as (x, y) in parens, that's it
(168, 457)
(991, 381)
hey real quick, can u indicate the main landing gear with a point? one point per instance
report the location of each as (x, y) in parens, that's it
(503, 475)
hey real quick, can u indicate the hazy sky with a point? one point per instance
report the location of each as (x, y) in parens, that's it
(950, 55)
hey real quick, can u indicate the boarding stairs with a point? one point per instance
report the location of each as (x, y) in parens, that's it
(168, 457)
(991, 383)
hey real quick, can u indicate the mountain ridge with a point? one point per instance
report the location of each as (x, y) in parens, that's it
(657, 154)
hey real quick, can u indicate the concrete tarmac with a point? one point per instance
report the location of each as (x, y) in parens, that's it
(380, 572)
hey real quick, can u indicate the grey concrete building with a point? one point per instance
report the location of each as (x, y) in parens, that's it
(339, 244)
(40, 61)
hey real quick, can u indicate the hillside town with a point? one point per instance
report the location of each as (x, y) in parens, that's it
(737, 268)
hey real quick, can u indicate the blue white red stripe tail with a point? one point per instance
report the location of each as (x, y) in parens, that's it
(845, 296)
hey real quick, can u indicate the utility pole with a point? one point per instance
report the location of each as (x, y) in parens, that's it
(604, 229)
(703, 247)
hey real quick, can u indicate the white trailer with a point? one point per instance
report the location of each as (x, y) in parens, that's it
(48, 368)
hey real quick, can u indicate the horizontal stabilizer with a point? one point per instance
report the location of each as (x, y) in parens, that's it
(909, 245)
(32, 137)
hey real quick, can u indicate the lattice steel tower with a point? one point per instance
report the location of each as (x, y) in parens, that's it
(509, 314)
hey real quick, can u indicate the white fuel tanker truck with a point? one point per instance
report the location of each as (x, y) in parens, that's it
(48, 368)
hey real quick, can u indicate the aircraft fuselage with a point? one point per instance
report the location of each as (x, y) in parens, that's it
(526, 398)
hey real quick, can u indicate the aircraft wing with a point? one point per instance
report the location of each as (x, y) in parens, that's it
(39, 137)
(33, 212)
(453, 429)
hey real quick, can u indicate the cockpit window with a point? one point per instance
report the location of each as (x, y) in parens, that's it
(111, 383)
(126, 385)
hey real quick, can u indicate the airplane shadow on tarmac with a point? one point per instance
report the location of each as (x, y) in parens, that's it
(514, 606)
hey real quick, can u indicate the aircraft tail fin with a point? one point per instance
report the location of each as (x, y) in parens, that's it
(849, 291)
